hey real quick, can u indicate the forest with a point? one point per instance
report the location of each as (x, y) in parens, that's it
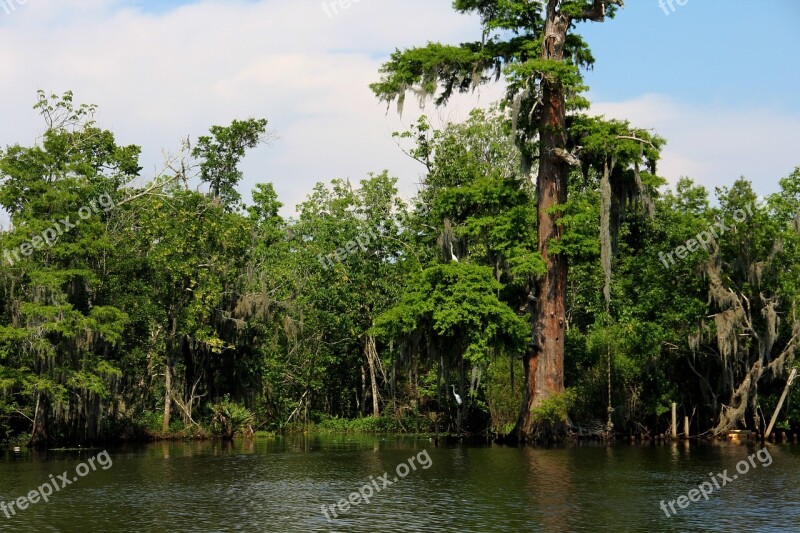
(494, 303)
(170, 310)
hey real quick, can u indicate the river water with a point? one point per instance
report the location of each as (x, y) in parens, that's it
(321, 483)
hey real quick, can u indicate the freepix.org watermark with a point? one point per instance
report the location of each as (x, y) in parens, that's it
(705, 238)
(49, 236)
(365, 239)
(9, 6)
(669, 5)
(707, 488)
(375, 486)
(332, 8)
(55, 484)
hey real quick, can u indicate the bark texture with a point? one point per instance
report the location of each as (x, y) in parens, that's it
(544, 363)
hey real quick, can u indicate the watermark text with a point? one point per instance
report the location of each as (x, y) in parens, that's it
(55, 484)
(375, 486)
(707, 488)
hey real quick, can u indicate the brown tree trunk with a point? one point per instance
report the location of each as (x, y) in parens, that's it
(544, 364)
(168, 371)
(39, 439)
(371, 353)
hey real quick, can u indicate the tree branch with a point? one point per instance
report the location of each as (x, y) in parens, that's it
(566, 156)
(597, 11)
(637, 139)
(168, 166)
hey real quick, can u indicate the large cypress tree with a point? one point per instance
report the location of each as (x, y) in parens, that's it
(531, 45)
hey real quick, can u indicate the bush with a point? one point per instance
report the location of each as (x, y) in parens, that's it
(554, 410)
(368, 424)
(151, 422)
(229, 418)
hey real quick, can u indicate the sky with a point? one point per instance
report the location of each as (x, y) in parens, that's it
(718, 79)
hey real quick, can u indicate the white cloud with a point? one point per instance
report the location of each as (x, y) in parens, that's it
(159, 77)
(714, 146)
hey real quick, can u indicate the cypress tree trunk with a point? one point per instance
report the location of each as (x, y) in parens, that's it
(544, 363)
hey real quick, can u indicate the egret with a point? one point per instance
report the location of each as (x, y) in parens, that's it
(453, 258)
(458, 398)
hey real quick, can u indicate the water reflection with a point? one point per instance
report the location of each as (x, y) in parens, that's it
(281, 484)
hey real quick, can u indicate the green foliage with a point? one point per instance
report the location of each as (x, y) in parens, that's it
(229, 418)
(222, 151)
(241, 307)
(458, 304)
(511, 48)
(392, 423)
(554, 410)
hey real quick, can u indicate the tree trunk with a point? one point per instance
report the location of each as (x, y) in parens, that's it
(544, 363)
(39, 439)
(363, 407)
(371, 353)
(167, 393)
(168, 371)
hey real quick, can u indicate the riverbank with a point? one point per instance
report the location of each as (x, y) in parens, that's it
(149, 430)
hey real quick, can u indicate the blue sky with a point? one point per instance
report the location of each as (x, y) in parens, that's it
(705, 52)
(722, 94)
(156, 6)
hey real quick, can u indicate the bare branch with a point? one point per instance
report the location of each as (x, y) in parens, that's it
(637, 139)
(170, 164)
(566, 156)
(154, 186)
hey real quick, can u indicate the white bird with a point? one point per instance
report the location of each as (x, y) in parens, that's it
(454, 258)
(458, 398)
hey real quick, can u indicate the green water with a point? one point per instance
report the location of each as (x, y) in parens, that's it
(281, 485)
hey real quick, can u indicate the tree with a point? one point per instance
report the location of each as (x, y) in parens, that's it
(192, 252)
(367, 229)
(222, 152)
(61, 331)
(455, 309)
(480, 211)
(540, 59)
(747, 272)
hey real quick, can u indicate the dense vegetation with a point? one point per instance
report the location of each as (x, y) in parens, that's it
(175, 309)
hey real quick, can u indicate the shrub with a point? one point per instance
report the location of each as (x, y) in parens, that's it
(554, 410)
(229, 418)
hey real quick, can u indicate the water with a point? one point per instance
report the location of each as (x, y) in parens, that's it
(281, 485)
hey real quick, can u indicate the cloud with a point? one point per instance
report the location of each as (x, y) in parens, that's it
(159, 76)
(714, 145)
